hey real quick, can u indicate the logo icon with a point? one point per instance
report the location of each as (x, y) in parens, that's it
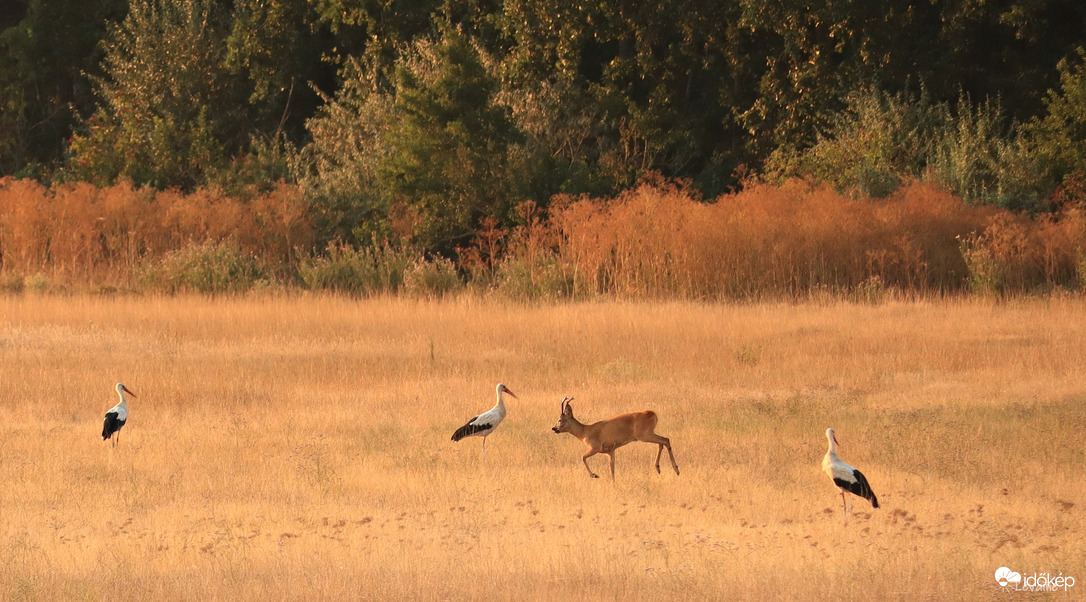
(1004, 575)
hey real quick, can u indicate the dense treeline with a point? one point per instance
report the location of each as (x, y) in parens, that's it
(419, 129)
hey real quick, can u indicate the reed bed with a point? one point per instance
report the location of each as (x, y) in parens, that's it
(658, 241)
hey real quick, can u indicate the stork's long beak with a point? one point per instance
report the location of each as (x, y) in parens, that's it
(511, 394)
(125, 389)
(835, 440)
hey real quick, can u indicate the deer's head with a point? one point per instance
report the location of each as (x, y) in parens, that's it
(565, 418)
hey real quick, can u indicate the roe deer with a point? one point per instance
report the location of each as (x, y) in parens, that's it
(606, 436)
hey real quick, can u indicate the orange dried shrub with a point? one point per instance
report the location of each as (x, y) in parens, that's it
(577, 223)
(282, 222)
(205, 214)
(1062, 248)
(768, 241)
(24, 226)
(129, 226)
(787, 239)
(644, 236)
(270, 226)
(75, 211)
(80, 233)
(1015, 254)
(74, 231)
(531, 268)
(917, 239)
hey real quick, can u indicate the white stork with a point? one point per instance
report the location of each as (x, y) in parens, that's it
(485, 423)
(117, 415)
(844, 476)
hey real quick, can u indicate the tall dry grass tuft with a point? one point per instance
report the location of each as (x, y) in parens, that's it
(1014, 253)
(24, 227)
(79, 233)
(764, 242)
(791, 241)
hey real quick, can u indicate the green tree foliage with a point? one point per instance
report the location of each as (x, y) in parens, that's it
(46, 49)
(877, 141)
(417, 120)
(386, 27)
(422, 160)
(338, 171)
(816, 52)
(167, 103)
(448, 142)
(882, 140)
(1058, 138)
(187, 85)
(617, 90)
(979, 155)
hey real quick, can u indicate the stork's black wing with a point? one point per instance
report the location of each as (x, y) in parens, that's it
(112, 425)
(859, 487)
(470, 429)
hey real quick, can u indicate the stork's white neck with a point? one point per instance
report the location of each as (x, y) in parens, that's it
(832, 451)
(500, 406)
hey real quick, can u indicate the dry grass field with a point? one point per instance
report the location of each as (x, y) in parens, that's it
(298, 448)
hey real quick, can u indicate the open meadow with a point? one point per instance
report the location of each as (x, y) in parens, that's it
(297, 448)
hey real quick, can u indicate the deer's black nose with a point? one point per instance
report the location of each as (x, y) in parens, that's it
(555, 429)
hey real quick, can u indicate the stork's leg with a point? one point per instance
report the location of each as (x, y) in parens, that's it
(844, 508)
(484, 447)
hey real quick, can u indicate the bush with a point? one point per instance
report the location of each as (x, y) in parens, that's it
(539, 278)
(981, 158)
(82, 233)
(1058, 139)
(211, 267)
(12, 284)
(985, 272)
(167, 99)
(882, 141)
(421, 159)
(875, 144)
(1014, 254)
(434, 278)
(765, 242)
(366, 271)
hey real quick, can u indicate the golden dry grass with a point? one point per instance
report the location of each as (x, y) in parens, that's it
(298, 448)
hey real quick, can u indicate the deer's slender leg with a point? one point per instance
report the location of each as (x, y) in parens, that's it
(662, 442)
(588, 454)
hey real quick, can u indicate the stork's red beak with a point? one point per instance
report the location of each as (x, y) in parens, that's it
(511, 394)
(835, 440)
(129, 392)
